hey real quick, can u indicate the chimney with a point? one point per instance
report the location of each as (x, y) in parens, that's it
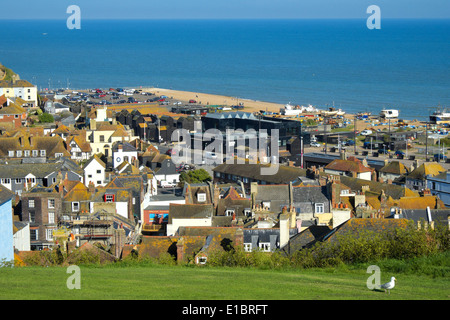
(239, 238)
(291, 195)
(91, 187)
(284, 229)
(180, 251)
(293, 218)
(93, 124)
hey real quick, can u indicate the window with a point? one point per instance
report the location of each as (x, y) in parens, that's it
(49, 234)
(102, 138)
(58, 155)
(26, 153)
(19, 153)
(247, 247)
(109, 198)
(34, 153)
(34, 234)
(51, 203)
(99, 171)
(319, 208)
(51, 217)
(202, 260)
(6, 180)
(32, 217)
(42, 153)
(16, 116)
(89, 175)
(18, 181)
(265, 247)
(229, 212)
(31, 203)
(10, 153)
(75, 206)
(201, 197)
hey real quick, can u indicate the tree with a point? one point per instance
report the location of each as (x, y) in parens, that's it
(46, 118)
(195, 176)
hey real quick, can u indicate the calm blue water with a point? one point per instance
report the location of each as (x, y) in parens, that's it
(405, 65)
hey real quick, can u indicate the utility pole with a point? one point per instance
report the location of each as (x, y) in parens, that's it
(426, 143)
(354, 135)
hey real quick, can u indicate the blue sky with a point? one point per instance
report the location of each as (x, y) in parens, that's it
(220, 9)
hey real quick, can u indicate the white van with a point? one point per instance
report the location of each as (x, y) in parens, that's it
(211, 155)
(366, 132)
(167, 184)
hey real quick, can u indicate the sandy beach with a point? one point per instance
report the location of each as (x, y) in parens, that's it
(212, 99)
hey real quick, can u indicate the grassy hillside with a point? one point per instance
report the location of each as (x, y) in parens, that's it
(7, 74)
(162, 282)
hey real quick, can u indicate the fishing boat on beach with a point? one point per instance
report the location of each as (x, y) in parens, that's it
(332, 112)
(389, 113)
(440, 116)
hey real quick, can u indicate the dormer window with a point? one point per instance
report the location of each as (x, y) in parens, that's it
(109, 198)
(201, 197)
(229, 212)
(11, 154)
(320, 208)
(34, 153)
(42, 153)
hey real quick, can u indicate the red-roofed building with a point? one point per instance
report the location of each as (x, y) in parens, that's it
(352, 167)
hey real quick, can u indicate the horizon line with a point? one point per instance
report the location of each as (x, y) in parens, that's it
(224, 18)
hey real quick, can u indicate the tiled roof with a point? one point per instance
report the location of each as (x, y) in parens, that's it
(425, 169)
(284, 174)
(188, 211)
(15, 84)
(394, 167)
(353, 165)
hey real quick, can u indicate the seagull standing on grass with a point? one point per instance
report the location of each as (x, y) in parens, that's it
(389, 285)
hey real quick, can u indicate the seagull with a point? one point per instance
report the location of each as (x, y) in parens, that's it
(389, 285)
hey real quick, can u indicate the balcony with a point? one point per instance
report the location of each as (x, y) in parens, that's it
(151, 228)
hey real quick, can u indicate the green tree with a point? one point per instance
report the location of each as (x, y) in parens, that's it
(195, 176)
(46, 118)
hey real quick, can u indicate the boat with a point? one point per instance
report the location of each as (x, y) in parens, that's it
(389, 113)
(440, 116)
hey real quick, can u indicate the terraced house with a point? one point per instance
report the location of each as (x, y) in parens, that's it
(20, 177)
(20, 89)
(20, 147)
(12, 115)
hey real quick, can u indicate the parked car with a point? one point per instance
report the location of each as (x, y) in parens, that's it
(366, 132)
(399, 153)
(315, 144)
(382, 151)
(349, 143)
(167, 184)
(439, 156)
(192, 101)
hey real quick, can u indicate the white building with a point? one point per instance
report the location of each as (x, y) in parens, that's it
(21, 238)
(94, 171)
(20, 89)
(123, 151)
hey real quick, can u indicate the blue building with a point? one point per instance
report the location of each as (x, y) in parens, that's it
(440, 185)
(6, 226)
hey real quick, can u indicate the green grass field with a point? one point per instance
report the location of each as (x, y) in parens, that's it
(160, 282)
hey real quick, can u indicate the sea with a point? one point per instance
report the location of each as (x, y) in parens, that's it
(405, 65)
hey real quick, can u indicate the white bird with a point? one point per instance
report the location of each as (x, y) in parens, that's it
(389, 285)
